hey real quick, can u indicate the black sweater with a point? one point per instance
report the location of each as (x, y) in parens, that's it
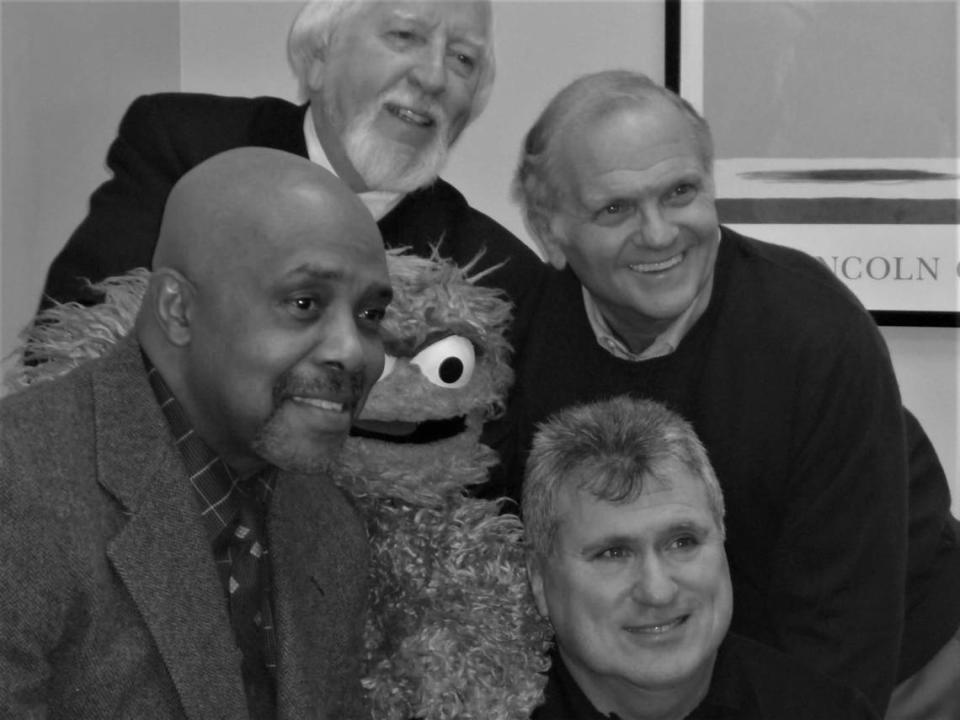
(789, 384)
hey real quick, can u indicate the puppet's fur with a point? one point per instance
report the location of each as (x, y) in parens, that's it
(453, 631)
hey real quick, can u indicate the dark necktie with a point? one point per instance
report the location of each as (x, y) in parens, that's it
(247, 587)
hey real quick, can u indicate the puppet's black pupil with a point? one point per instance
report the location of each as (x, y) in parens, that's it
(451, 369)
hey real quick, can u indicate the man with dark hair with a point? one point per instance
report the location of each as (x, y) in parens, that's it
(842, 547)
(173, 545)
(624, 527)
(390, 87)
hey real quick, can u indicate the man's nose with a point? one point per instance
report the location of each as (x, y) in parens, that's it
(654, 584)
(342, 343)
(429, 73)
(655, 231)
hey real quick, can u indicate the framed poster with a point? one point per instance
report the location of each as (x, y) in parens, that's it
(836, 131)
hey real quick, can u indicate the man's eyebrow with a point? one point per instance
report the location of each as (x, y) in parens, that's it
(318, 273)
(381, 291)
(310, 271)
(479, 42)
(689, 525)
(687, 176)
(610, 540)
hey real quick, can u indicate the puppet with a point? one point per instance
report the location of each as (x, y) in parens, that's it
(452, 630)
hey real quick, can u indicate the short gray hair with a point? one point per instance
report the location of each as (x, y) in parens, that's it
(608, 449)
(587, 99)
(313, 29)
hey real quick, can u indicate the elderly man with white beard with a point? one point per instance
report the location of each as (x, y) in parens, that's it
(389, 88)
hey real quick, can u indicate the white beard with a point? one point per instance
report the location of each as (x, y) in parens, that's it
(385, 164)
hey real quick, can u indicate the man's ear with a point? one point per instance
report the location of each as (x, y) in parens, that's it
(535, 576)
(172, 296)
(315, 70)
(552, 240)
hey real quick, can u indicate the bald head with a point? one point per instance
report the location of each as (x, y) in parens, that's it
(229, 209)
(263, 312)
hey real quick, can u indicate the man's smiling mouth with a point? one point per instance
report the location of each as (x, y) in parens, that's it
(661, 265)
(328, 405)
(657, 629)
(410, 116)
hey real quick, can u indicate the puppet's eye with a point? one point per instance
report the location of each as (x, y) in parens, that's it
(448, 362)
(389, 362)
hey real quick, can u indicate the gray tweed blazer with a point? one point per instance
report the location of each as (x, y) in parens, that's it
(110, 606)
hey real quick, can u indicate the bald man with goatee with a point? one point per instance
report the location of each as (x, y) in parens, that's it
(174, 547)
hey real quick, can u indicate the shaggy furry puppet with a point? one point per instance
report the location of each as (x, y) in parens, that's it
(452, 630)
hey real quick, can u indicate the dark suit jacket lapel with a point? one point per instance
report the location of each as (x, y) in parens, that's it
(320, 558)
(162, 554)
(298, 596)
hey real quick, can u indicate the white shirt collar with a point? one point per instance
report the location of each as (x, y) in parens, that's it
(378, 202)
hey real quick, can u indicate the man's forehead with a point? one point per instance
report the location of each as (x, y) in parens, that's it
(336, 266)
(339, 247)
(367, 278)
(464, 19)
(682, 495)
(307, 226)
(597, 164)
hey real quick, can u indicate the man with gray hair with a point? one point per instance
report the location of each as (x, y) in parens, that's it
(389, 88)
(843, 550)
(624, 525)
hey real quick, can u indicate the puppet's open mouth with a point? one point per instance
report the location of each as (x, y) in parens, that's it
(427, 431)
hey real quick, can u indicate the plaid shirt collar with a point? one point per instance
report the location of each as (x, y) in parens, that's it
(212, 479)
(223, 500)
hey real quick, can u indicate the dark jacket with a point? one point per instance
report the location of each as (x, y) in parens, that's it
(842, 549)
(110, 604)
(163, 136)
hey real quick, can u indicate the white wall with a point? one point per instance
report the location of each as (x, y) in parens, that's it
(70, 68)
(237, 48)
(68, 71)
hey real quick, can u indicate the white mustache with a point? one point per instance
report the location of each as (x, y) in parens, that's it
(422, 104)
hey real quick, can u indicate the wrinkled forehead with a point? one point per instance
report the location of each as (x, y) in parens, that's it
(632, 139)
(461, 20)
(637, 123)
